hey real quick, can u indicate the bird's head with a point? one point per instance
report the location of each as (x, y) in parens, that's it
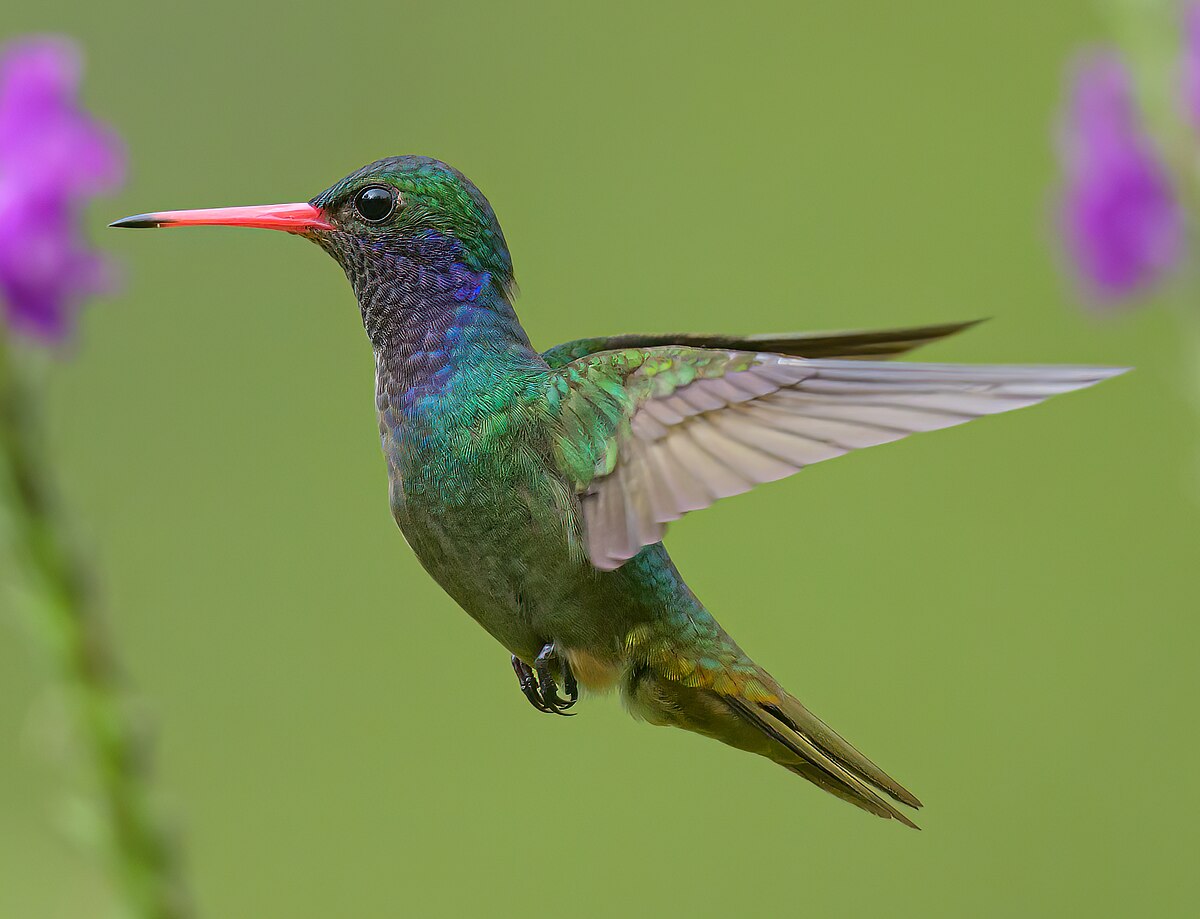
(415, 207)
(391, 225)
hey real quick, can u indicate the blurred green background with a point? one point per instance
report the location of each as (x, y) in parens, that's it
(1004, 616)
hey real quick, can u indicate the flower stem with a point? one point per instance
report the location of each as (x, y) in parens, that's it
(65, 611)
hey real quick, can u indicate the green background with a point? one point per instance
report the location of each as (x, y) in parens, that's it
(1003, 616)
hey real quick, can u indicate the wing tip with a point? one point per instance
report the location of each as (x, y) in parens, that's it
(967, 324)
(1090, 376)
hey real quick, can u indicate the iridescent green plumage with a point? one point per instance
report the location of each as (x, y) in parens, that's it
(536, 487)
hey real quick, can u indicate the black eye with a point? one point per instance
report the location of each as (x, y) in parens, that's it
(374, 204)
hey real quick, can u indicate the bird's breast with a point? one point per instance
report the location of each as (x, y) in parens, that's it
(486, 479)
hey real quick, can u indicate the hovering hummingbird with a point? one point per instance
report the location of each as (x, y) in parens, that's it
(535, 487)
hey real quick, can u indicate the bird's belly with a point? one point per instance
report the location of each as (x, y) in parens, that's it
(497, 558)
(509, 549)
(598, 672)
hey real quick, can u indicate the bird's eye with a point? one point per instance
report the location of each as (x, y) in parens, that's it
(374, 204)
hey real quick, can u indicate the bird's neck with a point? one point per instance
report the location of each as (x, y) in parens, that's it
(440, 332)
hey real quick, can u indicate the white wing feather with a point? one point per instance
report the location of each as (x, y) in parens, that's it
(719, 437)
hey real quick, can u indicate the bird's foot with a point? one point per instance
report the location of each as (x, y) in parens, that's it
(544, 664)
(538, 685)
(528, 683)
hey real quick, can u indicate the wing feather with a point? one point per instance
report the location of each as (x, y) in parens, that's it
(873, 344)
(671, 430)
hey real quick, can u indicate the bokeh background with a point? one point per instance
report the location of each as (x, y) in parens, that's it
(1004, 616)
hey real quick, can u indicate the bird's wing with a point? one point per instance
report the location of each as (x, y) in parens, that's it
(868, 344)
(648, 434)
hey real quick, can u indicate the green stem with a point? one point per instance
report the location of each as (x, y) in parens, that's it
(67, 613)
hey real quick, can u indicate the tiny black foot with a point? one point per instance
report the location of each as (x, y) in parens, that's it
(544, 664)
(569, 683)
(528, 683)
(538, 685)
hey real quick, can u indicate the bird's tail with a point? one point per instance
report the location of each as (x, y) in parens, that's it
(754, 713)
(814, 751)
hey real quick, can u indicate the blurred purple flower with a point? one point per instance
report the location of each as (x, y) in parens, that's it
(1191, 63)
(53, 157)
(1122, 224)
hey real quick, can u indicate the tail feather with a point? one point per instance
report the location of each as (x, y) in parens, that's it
(825, 758)
(841, 790)
(685, 671)
(798, 718)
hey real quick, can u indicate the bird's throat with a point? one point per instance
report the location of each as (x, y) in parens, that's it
(441, 336)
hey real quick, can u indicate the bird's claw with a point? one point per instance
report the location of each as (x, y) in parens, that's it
(538, 685)
(544, 665)
(528, 683)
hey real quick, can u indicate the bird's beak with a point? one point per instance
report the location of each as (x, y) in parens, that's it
(292, 218)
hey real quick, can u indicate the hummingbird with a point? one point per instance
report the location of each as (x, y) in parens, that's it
(535, 487)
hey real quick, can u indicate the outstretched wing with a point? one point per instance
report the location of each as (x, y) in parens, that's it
(648, 434)
(876, 344)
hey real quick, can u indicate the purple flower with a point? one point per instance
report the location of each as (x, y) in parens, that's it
(53, 158)
(1191, 63)
(1122, 224)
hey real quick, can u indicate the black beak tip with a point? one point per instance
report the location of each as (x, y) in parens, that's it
(140, 221)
